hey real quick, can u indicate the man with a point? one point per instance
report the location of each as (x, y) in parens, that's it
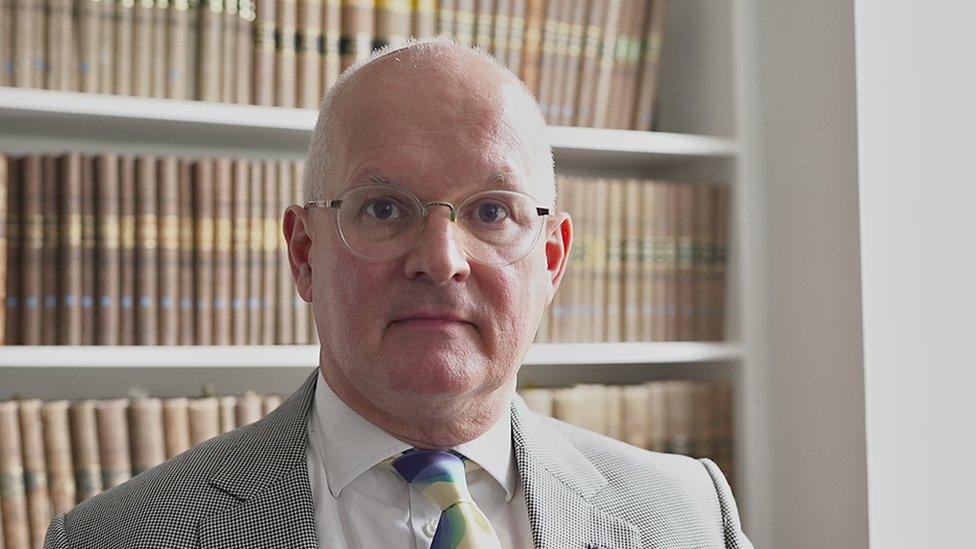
(429, 247)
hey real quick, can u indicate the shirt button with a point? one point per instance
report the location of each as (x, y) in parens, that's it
(431, 527)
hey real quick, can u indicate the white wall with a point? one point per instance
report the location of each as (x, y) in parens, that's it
(916, 101)
(797, 120)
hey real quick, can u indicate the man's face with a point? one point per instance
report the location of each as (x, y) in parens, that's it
(442, 146)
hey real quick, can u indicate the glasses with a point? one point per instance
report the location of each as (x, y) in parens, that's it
(383, 221)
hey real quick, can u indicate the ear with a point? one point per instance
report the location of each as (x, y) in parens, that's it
(559, 243)
(299, 240)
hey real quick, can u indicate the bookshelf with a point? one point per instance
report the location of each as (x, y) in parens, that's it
(697, 142)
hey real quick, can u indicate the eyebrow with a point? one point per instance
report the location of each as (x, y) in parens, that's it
(501, 180)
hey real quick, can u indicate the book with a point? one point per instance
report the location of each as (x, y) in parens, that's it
(244, 49)
(146, 302)
(133, 42)
(270, 238)
(204, 416)
(392, 23)
(13, 498)
(285, 287)
(255, 300)
(423, 19)
(84, 448)
(50, 248)
(160, 43)
(70, 283)
(357, 29)
(57, 455)
(652, 40)
(12, 195)
(285, 58)
(168, 254)
(187, 253)
(228, 52)
(464, 19)
(308, 52)
(113, 441)
(32, 250)
(240, 271)
(223, 251)
(331, 43)
(176, 425)
(145, 416)
(39, 508)
(265, 23)
(177, 45)
(124, 297)
(203, 256)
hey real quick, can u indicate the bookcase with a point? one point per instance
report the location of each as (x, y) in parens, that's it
(697, 142)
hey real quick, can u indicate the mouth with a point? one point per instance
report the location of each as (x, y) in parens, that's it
(432, 322)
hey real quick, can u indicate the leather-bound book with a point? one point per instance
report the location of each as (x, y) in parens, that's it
(243, 73)
(446, 10)
(532, 44)
(57, 455)
(611, 105)
(84, 449)
(50, 252)
(177, 42)
(559, 76)
(60, 51)
(146, 434)
(285, 62)
(632, 293)
(255, 291)
(147, 247)
(223, 250)
(301, 308)
(32, 250)
(309, 56)
(194, 9)
(70, 274)
(392, 23)
(685, 275)
(720, 254)
(240, 271)
(516, 35)
(187, 247)
(464, 19)
(604, 71)
(500, 30)
(547, 57)
(160, 44)
(703, 245)
(483, 17)
(285, 301)
(106, 52)
(204, 414)
(208, 58)
(176, 425)
(249, 408)
(203, 280)
(331, 43)
(127, 41)
(127, 294)
(653, 34)
(13, 500)
(271, 254)
(648, 248)
(13, 265)
(269, 403)
(39, 509)
(228, 413)
(87, 42)
(89, 258)
(228, 52)
(423, 19)
(628, 99)
(589, 63)
(25, 21)
(113, 441)
(168, 254)
(357, 31)
(264, 51)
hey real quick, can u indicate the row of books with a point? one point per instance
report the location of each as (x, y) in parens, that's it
(676, 416)
(648, 262)
(589, 62)
(55, 454)
(58, 453)
(119, 249)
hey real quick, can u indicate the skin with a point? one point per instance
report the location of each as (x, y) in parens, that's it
(442, 125)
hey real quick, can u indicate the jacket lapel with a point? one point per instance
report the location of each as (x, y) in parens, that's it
(559, 484)
(267, 470)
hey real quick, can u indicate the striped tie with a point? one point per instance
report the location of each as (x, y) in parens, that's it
(440, 477)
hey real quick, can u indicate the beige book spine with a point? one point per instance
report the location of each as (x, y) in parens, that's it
(613, 396)
(169, 250)
(423, 21)
(648, 192)
(651, 44)
(70, 228)
(203, 251)
(702, 261)
(285, 301)
(538, 399)
(147, 241)
(255, 311)
(245, 52)
(308, 52)
(13, 500)
(240, 197)
(84, 449)
(611, 107)
(684, 275)
(158, 66)
(208, 56)
(113, 441)
(669, 267)
(484, 13)
(392, 22)
(614, 270)
(107, 46)
(632, 293)
(568, 88)
(500, 29)
(606, 62)
(301, 308)
(228, 413)
(32, 249)
(635, 415)
(12, 302)
(204, 416)
(178, 42)
(285, 60)
(127, 39)
(271, 253)
(703, 419)
(223, 252)
(445, 17)
(57, 453)
(39, 507)
(87, 42)
(679, 411)
(264, 52)
(516, 35)
(583, 303)
(632, 57)
(720, 258)
(657, 418)
(464, 19)
(228, 52)
(269, 403)
(187, 253)
(176, 425)
(331, 43)
(249, 408)
(596, 324)
(60, 30)
(7, 60)
(23, 42)
(50, 250)
(569, 404)
(357, 31)
(547, 57)
(114, 243)
(146, 429)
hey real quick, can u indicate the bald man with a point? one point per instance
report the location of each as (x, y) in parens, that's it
(429, 244)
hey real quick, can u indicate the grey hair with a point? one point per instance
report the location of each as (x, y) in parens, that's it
(321, 151)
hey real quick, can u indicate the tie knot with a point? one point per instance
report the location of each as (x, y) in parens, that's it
(436, 474)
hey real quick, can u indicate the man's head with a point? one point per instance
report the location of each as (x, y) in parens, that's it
(442, 121)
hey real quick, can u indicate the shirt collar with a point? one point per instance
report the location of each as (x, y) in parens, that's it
(351, 444)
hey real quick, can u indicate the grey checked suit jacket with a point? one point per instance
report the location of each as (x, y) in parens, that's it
(249, 488)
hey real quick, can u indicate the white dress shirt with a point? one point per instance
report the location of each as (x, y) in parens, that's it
(361, 505)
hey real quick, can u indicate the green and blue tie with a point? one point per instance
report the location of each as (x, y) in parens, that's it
(440, 477)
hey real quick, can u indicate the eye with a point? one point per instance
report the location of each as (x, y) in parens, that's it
(490, 211)
(382, 208)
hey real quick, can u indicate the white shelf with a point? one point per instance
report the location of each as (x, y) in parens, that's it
(306, 356)
(50, 120)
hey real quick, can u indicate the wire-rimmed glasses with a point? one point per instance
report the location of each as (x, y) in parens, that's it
(382, 221)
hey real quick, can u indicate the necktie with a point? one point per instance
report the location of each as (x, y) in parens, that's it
(440, 477)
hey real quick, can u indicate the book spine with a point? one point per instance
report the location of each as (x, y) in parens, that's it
(13, 302)
(51, 245)
(719, 256)
(663, 250)
(146, 252)
(57, 455)
(204, 415)
(264, 51)
(685, 262)
(13, 500)
(193, 40)
(245, 51)
(229, 52)
(308, 52)
(208, 58)
(650, 56)
(203, 281)
(23, 43)
(574, 56)
(516, 36)
(169, 250)
(222, 254)
(88, 250)
(670, 267)
(500, 30)
(589, 63)
(241, 251)
(113, 441)
(331, 43)
(599, 223)
(255, 310)
(176, 426)
(423, 20)
(532, 46)
(58, 33)
(357, 31)
(632, 295)
(484, 12)
(648, 198)
(70, 229)
(560, 69)
(285, 301)
(547, 57)
(285, 61)
(270, 236)
(301, 308)
(701, 260)
(446, 10)
(39, 508)
(269, 403)
(84, 449)
(464, 21)
(145, 417)
(4, 185)
(106, 52)
(249, 408)
(88, 15)
(228, 417)
(7, 59)
(177, 29)
(126, 296)
(33, 225)
(608, 48)
(160, 44)
(187, 253)
(124, 64)
(632, 56)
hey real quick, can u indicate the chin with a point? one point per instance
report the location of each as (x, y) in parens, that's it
(431, 375)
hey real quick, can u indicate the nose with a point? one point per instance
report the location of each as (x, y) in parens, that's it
(437, 253)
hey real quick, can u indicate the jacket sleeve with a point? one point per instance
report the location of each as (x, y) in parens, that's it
(734, 537)
(56, 538)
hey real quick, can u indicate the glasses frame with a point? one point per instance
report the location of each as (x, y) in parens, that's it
(424, 208)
